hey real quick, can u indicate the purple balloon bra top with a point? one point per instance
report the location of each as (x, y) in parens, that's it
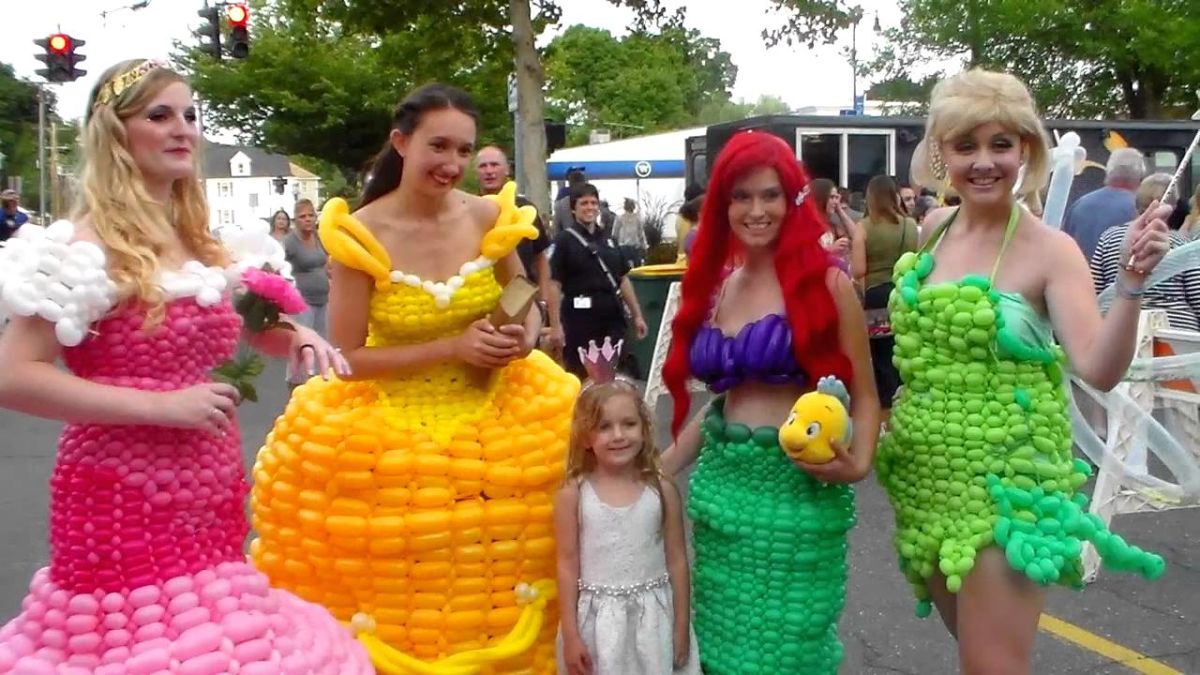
(762, 350)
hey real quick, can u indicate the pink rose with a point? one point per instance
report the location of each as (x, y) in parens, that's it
(275, 290)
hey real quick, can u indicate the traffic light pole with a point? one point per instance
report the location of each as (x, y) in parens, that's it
(42, 154)
(55, 184)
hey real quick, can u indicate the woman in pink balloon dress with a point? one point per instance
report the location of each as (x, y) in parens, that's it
(147, 515)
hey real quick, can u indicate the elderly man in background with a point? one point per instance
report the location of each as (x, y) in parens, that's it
(491, 167)
(1110, 205)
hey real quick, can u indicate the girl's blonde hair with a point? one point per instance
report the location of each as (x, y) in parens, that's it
(967, 100)
(134, 228)
(588, 411)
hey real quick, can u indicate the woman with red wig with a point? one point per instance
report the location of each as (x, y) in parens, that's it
(769, 533)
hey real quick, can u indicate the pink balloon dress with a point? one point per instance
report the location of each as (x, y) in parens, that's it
(147, 524)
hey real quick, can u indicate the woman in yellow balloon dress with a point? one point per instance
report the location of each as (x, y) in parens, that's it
(414, 497)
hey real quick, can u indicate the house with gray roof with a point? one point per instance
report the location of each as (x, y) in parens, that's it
(245, 184)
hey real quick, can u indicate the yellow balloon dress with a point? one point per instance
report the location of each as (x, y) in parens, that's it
(419, 508)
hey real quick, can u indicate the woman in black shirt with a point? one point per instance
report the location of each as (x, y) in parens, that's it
(594, 298)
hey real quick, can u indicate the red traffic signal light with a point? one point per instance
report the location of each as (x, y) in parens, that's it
(61, 58)
(59, 43)
(239, 33)
(238, 15)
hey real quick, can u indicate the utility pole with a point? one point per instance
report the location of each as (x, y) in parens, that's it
(518, 151)
(55, 196)
(41, 154)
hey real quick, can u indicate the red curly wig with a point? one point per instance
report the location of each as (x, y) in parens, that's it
(801, 264)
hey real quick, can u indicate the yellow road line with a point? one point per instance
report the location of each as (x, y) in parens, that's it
(1094, 643)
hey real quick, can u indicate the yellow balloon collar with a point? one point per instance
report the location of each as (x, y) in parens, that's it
(353, 245)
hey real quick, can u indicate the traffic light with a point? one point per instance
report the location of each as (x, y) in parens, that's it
(239, 35)
(60, 56)
(210, 31)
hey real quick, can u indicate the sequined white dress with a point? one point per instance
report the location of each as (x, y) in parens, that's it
(625, 612)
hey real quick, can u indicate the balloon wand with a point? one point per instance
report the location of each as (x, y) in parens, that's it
(1187, 155)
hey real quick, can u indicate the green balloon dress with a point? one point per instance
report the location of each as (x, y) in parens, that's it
(770, 541)
(979, 452)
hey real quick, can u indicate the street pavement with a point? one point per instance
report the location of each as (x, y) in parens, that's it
(1108, 626)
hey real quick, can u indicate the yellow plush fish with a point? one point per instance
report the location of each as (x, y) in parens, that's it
(818, 418)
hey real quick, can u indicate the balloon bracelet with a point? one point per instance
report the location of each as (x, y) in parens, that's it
(818, 419)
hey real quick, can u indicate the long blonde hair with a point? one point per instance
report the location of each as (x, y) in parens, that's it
(133, 227)
(975, 97)
(588, 411)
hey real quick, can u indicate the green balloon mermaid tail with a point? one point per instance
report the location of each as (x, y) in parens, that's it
(980, 448)
(770, 572)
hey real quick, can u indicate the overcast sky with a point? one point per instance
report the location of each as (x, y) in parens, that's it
(800, 76)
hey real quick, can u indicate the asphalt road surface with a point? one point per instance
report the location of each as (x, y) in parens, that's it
(1119, 624)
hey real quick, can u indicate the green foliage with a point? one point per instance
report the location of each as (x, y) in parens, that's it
(241, 372)
(809, 22)
(902, 96)
(18, 130)
(313, 86)
(1080, 58)
(662, 253)
(716, 112)
(324, 75)
(641, 83)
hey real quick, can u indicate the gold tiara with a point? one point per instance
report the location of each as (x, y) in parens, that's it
(120, 83)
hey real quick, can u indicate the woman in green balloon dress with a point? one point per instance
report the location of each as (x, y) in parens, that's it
(978, 463)
(766, 313)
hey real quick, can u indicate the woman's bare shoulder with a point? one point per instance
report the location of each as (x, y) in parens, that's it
(482, 212)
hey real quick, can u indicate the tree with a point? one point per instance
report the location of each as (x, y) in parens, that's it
(644, 82)
(903, 96)
(1080, 58)
(18, 131)
(809, 22)
(530, 103)
(503, 34)
(316, 87)
(728, 111)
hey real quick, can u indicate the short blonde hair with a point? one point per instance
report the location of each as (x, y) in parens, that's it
(967, 100)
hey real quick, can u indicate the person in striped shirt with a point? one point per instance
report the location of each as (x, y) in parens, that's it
(1179, 296)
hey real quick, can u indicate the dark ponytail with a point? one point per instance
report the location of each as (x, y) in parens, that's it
(388, 165)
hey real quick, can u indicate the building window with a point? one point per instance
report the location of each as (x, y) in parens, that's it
(225, 217)
(254, 200)
(225, 189)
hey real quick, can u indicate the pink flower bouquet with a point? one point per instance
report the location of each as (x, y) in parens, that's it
(264, 298)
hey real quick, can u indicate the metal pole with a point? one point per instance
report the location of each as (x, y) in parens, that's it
(854, 65)
(199, 119)
(41, 155)
(519, 151)
(55, 207)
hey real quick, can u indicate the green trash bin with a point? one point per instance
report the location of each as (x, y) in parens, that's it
(651, 283)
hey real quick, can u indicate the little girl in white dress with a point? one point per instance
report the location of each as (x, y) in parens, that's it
(623, 578)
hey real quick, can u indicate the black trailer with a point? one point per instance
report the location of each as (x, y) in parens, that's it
(850, 150)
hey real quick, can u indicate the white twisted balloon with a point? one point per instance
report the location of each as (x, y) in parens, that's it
(1180, 461)
(1066, 159)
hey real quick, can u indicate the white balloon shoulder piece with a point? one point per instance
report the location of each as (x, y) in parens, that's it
(45, 273)
(253, 246)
